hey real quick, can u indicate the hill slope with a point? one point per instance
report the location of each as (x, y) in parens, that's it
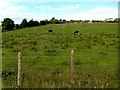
(46, 56)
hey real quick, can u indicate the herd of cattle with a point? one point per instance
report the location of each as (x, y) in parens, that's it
(76, 32)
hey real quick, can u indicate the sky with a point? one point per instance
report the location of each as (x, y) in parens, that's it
(38, 10)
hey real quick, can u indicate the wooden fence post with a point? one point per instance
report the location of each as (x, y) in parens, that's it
(19, 68)
(72, 66)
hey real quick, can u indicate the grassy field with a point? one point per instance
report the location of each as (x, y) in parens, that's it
(46, 56)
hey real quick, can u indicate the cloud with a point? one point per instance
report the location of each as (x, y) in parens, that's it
(9, 10)
(99, 13)
(17, 13)
(35, 16)
(31, 15)
(64, 8)
(104, 10)
(67, 8)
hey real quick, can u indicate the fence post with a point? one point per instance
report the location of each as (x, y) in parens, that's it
(72, 66)
(19, 68)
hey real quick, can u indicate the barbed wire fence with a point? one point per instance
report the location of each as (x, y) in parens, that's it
(27, 57)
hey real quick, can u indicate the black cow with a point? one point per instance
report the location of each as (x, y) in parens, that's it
(50, 30)
(76, 32)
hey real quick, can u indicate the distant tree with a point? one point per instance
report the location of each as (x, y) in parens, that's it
(32, 23)
(17, 26)
(7, 24)
(43, 22)
(36, 23)
(57, 21)
(52, 21)
(80, 20)
(61, 21)
(72, 21)
(116, 20)
(97, 21)
(24, 23)
(64, 21)
(93, 21)
(86, 21)
(47, 22)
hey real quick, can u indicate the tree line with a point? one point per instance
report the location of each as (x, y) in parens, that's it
(8, 24)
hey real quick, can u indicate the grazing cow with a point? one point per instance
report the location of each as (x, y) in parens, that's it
(50, 30)
(76, 32)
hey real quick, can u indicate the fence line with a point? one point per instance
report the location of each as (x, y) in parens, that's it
(71, 64)
(19, 68)
(8, 53)
(98, 50)
(68, 64)
(53, 56)
(71, 69)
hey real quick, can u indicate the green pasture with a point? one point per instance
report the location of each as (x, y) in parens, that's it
(46, 56)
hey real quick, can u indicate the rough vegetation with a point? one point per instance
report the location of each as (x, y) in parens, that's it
(46, 56)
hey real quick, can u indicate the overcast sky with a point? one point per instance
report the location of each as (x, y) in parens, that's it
(60, 9)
